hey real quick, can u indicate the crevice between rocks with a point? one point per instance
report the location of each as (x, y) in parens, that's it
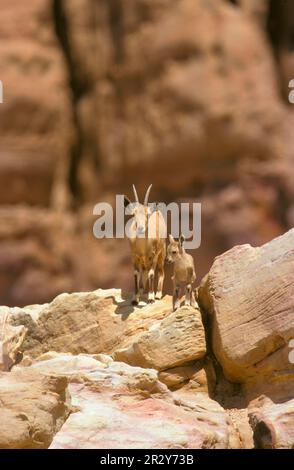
(224, 389)
(280, 33)
(78, 89)
(227, 394)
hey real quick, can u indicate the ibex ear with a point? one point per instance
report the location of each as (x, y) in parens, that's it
(171, 238)
(181, 239)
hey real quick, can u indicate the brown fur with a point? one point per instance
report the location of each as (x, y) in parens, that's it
(184, 274)
(147, 240)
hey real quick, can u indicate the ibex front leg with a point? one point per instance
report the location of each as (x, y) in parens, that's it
(151, 296)
(137, 277)
(176, 296)
(188, 294)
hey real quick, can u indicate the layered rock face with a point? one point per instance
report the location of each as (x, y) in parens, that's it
(44, 252)
(118, 406)
(33, 408)
(272, 423)
(172, 342)
(249, 296)
(111, 368)
(169, 77)
(90, 322)
(11, 340)
(189, 95)
(35, 115)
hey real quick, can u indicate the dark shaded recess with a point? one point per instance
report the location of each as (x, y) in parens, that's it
(78, 89)
(116, 22)
(280, 31)
(264, 436)
(224, 391)
(280, 24)
(117, 29)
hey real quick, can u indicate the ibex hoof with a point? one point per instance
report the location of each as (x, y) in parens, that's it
(158, 295)
(135, 302)
(151, 301)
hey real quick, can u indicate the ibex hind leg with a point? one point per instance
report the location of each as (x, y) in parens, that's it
(176, 298)
(194, 302)
(158, 295)
(188, 294)
(151, 296)
(136, 297)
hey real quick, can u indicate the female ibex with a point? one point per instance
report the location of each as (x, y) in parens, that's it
(146, 234)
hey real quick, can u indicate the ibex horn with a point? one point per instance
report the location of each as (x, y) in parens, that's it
(135, 194)
(147, 195)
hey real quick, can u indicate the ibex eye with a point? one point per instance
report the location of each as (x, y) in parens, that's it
(174, 252)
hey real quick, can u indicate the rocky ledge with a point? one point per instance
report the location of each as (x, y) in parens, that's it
(89, 370)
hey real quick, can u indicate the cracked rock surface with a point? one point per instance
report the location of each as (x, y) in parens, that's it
(89, 370)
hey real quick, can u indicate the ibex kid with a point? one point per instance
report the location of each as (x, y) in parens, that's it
(184, 272)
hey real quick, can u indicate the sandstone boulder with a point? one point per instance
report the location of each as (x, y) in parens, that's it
(118, 406)
(239, 418)
(197, 376)
(33, 408)
(249, 298)
(272, 423)
(11, 340)
(177, 339)
(90, 322)
(177, 376)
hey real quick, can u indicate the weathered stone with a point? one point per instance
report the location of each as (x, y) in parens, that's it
(118, 406)
(177, 376)
(272, 423)
(249, 297)
(91, 322)
(177, 339)
(198, 376)
(33, 408)
(239, 419)
(11, 340)
(196, 104)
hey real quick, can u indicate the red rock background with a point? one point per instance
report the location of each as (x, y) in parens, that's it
(191, 95)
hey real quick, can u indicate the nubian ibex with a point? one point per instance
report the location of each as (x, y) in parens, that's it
(184, 272)
(146, 234)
